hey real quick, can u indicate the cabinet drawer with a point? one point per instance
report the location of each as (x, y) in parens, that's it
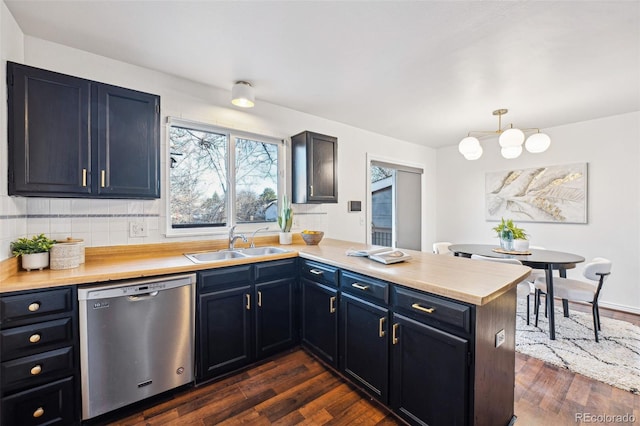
(366, 287)
(51, 404)
(36, 368)
(34, 304)
(218, 279)
(319, 272)
(278, 269)
(432, 309)
(28, 339)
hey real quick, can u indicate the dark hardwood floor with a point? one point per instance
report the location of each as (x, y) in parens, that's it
(294, 388)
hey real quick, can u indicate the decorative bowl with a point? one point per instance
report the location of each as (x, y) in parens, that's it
(312, 237)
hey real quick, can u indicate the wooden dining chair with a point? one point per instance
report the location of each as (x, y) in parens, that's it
(525, 288)
(441, 247)
(569, 289)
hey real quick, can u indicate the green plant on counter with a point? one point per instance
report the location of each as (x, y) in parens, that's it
(36, 244)
(285, 219)
(518, 233)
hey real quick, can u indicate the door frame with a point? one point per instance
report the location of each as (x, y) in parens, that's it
(368, 205)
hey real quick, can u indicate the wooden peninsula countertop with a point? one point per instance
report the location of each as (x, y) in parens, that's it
(461, 279)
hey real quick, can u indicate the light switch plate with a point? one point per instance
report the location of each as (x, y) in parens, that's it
(137, 229)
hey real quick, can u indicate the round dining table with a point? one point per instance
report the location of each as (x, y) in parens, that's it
(548, 260)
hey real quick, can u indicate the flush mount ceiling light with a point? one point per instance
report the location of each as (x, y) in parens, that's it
(510, 140)
(242, 94)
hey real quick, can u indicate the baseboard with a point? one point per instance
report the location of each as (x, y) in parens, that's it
(622, 308)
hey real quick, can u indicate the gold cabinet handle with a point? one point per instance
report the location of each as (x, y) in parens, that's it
(36, 369)
(34, 307)
(248, 306)
(102, 178)
(381, 332)
(38, 413)
(260, 298)
(332, 304)
(84, 177)
(316, 271)
(394, 333)
(35, 338)
(360, 286)
(423, 309)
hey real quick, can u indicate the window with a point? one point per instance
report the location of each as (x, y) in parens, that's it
(205, 192)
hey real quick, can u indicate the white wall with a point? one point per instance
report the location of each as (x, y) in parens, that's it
(610, 146)
(13, 222)
(106, 222)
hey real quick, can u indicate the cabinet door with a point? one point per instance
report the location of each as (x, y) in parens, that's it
(365, 350)
(128, 143)
(275, 315)
(49, 132)
(320, 320)
(429, 374)
(224, 339)
(322, 169)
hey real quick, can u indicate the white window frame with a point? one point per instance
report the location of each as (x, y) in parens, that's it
(232, 135)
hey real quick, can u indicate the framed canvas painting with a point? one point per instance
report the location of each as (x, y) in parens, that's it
(539, 194)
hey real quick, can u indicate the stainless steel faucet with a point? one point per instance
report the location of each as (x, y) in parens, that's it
(233, 238)
(253, 236)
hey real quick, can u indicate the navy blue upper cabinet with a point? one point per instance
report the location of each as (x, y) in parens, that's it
(314, 168)
(71, 137)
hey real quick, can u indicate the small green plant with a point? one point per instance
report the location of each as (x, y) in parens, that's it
(518, 233)
(36, 244)
(285, 219)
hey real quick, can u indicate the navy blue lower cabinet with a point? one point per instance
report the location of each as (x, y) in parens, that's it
(319, 320)
(365, 345)
(276, 321)
(429, 374)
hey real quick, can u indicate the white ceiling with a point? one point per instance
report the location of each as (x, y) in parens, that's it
(421, 71)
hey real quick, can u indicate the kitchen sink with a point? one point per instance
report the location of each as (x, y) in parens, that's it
(262, 251)
(216, 256)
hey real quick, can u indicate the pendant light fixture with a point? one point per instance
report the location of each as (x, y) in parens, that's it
(510, 140)
(242, 94)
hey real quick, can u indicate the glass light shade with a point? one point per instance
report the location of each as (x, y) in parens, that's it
(510, 152)
(511, 138)
(537, 142)
(469, 145)
(474, 155)
(242, 95)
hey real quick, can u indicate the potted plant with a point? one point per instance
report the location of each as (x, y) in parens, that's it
(511, 236)
(285, 220)
(34, 251)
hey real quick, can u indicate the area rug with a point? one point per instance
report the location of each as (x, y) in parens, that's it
(614, 360)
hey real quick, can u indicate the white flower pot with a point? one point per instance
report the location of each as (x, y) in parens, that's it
(286, 237)
(35, 261)
(521, 245)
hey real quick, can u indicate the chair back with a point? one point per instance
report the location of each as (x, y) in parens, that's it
(597, 268)
(441, 247)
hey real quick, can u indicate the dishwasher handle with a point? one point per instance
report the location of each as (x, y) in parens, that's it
(143, 296)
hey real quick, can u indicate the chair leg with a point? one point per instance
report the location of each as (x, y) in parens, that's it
(595, 320)
(528, 312)
(597, 311)
(565, 307)
(537, 307)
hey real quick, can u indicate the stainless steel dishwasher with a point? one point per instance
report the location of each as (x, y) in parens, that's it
(136, 340)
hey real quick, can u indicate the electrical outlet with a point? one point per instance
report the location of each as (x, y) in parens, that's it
(500, 338)
(138, 229)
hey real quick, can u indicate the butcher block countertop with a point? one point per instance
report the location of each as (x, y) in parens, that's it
(461, 279)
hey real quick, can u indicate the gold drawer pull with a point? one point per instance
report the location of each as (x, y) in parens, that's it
(423, 309)
(360, 286)
(332, 304)
(315, 271)
(36, 369)
(381, 332)
(248, 306)
(34, 307)
(394, 334)
(34, 338)
(39, 412)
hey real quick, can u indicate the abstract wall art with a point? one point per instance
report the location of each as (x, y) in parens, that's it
(539, 194)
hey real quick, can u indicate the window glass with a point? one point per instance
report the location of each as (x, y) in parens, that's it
(256, 178)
